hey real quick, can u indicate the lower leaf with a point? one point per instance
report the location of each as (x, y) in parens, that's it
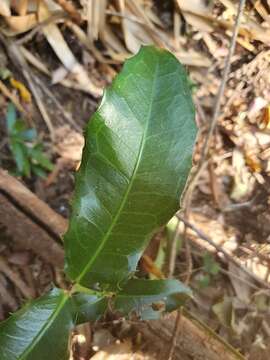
(150, 298)
(40, 330)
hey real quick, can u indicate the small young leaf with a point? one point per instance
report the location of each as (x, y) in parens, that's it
(11, 118)
(149, 298)
(136, 159)
(40, 330)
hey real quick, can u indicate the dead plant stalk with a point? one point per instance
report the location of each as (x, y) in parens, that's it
(204, 156)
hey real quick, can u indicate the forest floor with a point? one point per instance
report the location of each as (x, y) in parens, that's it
(55, 62)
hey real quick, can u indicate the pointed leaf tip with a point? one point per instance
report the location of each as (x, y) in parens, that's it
(150, 298)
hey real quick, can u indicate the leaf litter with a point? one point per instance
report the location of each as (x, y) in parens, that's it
(231, 201)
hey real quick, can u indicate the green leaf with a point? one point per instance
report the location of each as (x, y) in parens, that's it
(136, 159)
(19, 127)
(37, 156)
(11, 117)
(149, 298)
(5, 73)
(19, 151)
(210, 266)
(88, 307)
(38, 171)
(28, 135)
(204, 281)
(40, 330)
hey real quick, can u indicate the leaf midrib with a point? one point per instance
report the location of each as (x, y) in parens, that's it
(123, 202)
(44, 328)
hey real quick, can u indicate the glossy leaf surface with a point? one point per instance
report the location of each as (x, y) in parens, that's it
(150, 298)
(40, 330)
(136, 159)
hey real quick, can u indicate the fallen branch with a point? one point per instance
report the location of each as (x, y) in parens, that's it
(32, 224)
(195, 340)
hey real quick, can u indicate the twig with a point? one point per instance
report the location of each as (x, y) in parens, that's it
(203, 162)
(175, 333)
(217, 108)
(200, 111)
(57, 16)
(220, 249)
(205, 152)
(187, 279)
(127, 17)
(65, 114)
(239, 278)
(70, 9)
(188, 257)
(228, 273)
(224, 81)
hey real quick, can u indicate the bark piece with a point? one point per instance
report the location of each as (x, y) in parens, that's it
(29, 235)
(194, 341)
(31, 204)
(32, 223)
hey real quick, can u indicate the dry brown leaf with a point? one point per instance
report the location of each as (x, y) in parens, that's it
(150, 267)
(5, 8)
(96, 15)
(24, 92)
(225, 312)
(59, 74)
(22, 7)
(21, 24)
(115, 48)
(193, 58)
(138, 9)
(260, 270)
(122, 351)
(253, 162)
(65, 55)
(196, 14)
(69, 143)
(249, 27)
(32, 5)
(266, 117)
(261, 10)
(240, 281)
(256, 107)
(221, 235)
(243, 181)
(134, 33)
(196, 6)
(198, 22)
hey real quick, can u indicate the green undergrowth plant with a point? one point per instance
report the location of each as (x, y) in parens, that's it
(27, 151)
(210, 270)
(135, 163)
